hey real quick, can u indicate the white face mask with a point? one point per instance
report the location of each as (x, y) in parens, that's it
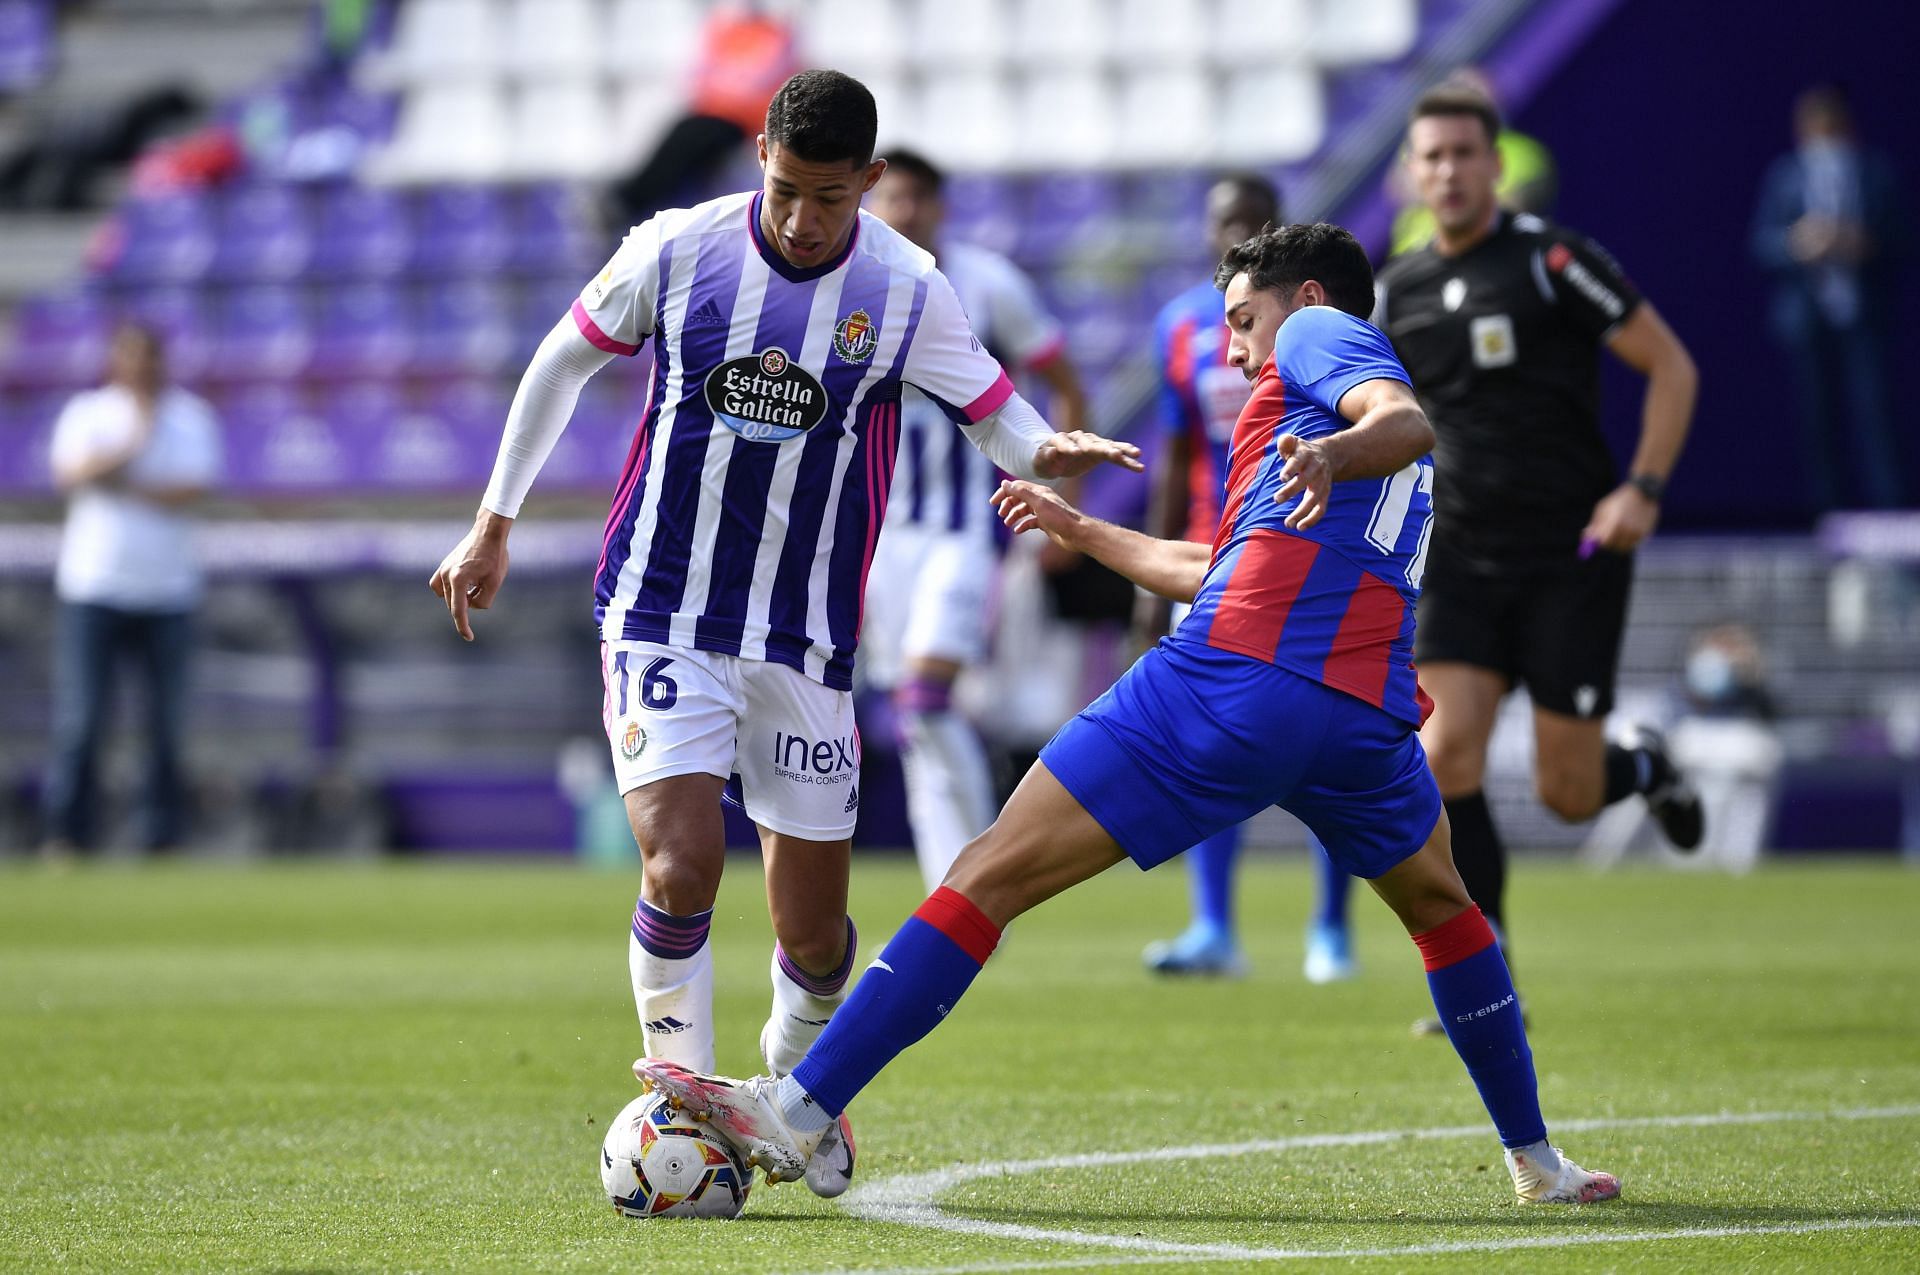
(1710, 676)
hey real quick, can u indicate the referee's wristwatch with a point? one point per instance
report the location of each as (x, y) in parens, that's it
(1652, 486)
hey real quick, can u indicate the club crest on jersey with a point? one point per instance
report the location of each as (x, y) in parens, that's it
(633, 741)
(766, 397)
(854, 340)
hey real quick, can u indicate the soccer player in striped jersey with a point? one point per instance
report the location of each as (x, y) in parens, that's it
(1291, 683)
(786, 323)
(1201, 397)
(939, 551)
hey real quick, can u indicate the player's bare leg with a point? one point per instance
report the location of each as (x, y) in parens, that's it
(1043, 843)
(812, 960)
(1474, 993)
(682, 840)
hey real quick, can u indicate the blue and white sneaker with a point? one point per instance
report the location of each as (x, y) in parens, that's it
(1329, 955)
(1204, 951)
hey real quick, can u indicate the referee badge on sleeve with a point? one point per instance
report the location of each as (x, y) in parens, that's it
(1492, 337)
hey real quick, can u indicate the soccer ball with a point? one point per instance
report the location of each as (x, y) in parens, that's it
(658, 1162)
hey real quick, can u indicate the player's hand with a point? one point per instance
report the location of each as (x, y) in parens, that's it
(1026, 506)
(1307, 474)
(1073, 454)
(1620, 521)
(472, 574)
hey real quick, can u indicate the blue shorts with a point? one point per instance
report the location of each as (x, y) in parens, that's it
(1192, 740)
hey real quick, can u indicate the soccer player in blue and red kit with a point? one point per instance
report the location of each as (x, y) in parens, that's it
(1290, 683)
(1201, 398)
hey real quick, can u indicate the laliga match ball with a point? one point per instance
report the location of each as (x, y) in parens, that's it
(658, 1162)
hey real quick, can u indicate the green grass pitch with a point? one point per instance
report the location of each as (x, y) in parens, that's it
(410, 1068)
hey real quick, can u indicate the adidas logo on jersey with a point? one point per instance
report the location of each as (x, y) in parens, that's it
(667, 1026)
(707, 316)
(853, 801)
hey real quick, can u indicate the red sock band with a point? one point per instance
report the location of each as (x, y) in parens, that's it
(1466, 935)
(954, 915)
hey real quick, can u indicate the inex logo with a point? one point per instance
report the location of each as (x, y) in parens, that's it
(765, 397)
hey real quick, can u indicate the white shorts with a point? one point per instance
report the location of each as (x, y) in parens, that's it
(929, 596)
(673, 711)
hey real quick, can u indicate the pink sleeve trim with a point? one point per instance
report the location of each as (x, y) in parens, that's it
(591, 330)
(992, 401)
(1048, 353)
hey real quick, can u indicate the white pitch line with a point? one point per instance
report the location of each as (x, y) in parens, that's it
(909, 1200)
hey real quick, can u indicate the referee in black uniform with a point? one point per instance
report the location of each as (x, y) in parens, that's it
(1500, 321)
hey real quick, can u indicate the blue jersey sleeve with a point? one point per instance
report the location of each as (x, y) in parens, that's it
(1178, 409)
(1323, 352)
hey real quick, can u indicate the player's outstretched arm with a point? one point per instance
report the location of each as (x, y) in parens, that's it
(1389, 432)
(1015, 438)
(1170, 568)
(471, 575)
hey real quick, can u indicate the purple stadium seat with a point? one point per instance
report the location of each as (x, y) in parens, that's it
(541, 304)
(986, 209)
(266, 234)
(27, 43)
(165, 239)
(26, 429)
(1061, 208)
(364, 234)
(553, 235)
(253, 420)
(358, 415)
(465, 325)
(263, 332)
(464, 230)
(363, 329)
(180, 315)
(60, 339)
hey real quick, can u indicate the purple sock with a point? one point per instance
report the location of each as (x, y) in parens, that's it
(667, 936)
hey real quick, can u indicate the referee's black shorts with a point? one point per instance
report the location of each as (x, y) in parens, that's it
(1553, 628)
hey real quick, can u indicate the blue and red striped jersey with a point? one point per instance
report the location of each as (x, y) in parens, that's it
(1333, 602)
(1201, 395)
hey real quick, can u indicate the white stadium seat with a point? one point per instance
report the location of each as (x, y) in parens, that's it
(968, 34)
(896, 101)
(1167, 117)
(452, 131)
(1261, 33)
(555, 37)
(967, 118)
(643, 108)
(1063, 34)
(442, 39)
(860, 37)
(1162, 32)
(560, 130)
(651, 37)
(1066, 120)
(1351, 31)
(1271, 116)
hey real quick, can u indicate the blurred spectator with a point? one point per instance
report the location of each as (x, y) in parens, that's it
(745, 56)
(59, 167)
(1827, 232)
(132, 457)
(1726, 676)
(1528, 181)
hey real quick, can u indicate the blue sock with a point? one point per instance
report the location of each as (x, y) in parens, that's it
(1210, 870)
(1335, 885)
(911, 986)
(1474, 994)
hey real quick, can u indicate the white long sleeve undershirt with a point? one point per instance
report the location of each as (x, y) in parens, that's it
(541, 408)
(1011, 436)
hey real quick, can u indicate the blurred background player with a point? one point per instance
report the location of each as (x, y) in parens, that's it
(132, 457)
(730, 588)
(1826, 231)
(937, 563)
(1500, 321)
(1201, 395)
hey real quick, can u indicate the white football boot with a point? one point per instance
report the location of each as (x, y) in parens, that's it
(743, 1111)
(830, 1167)
(1533, 1183)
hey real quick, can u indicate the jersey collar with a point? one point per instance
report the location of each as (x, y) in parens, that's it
(786, 269)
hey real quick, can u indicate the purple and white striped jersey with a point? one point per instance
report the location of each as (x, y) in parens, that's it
(943, 481)
(745, 518)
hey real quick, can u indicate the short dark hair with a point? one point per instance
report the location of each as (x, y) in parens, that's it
(1259, 186)
(911, 163)
(1455, 98)
(823, 117)
(1284, 257)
